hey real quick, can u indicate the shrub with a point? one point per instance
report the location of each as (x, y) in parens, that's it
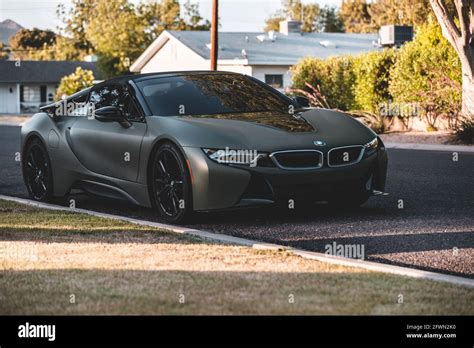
(372, 72)
(375, 121)
(423, 77)
(428, 71)
(314, 95)
(348, 83)
(74, 82)
(464, 131)
(335, 76)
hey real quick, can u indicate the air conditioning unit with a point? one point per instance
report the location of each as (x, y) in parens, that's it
(290, 26)
(395, 35)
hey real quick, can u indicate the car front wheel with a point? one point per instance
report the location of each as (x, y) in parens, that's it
(171, 184)
(37, 172)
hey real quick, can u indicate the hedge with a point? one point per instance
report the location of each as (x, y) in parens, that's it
(334, 75)
(426, 71)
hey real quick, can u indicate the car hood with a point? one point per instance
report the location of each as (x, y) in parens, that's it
(267, 131)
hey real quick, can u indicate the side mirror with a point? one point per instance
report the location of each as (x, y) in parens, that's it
(111, 114)
(302, 102)
(108, 114)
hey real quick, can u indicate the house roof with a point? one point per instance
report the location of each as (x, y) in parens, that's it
(285, 50)
(8, 28)
(40, 71)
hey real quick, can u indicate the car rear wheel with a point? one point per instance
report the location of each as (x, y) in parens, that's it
(37, 172)
(171, 184)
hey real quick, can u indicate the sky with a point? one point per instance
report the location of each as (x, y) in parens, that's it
(235, 15)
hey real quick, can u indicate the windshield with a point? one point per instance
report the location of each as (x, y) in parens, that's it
(208, 94)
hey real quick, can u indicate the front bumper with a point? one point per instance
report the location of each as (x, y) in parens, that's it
(218, 186)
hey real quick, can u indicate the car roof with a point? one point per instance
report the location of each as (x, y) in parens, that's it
(139, 77)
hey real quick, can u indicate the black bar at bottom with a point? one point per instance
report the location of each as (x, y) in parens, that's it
(139, 330)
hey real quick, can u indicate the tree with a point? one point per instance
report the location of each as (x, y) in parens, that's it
(192, 19)
(166, 15)
(400, 12)
(273, 23)
(75, 23)
(117, 35)
(118, 31)
(307, 14)
(74, 82)
(355, 16)
(26, 42)
(459, 31)
(427, 72)
(329, 20)
(3, 52)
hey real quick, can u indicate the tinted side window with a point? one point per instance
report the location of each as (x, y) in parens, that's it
(131, 110)
(105, 96)
(128, 107)
(116, 95)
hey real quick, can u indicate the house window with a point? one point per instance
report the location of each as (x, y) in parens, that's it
(31, 94)
(276, 81)
(32, 97)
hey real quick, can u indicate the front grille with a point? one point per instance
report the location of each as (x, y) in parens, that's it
(342, 156)
(303, 159)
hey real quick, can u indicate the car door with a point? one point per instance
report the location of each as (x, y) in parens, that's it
(109, 148)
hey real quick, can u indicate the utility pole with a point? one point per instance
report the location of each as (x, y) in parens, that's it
(214, 40)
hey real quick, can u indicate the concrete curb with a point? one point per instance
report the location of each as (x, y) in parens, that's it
(430, 147)
(222, 238)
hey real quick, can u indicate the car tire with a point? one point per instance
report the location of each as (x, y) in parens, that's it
(171, 189)
(37, 171)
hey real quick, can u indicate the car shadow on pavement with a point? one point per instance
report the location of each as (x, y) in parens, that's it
(396, 243)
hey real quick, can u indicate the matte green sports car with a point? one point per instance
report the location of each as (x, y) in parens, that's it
(199, 141)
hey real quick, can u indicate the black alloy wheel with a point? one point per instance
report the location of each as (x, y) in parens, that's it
(171, 184)
(37, 172)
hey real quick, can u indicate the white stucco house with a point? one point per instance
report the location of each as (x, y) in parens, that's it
(25, 86)
(266, 56)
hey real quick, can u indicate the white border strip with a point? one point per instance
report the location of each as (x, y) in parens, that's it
(430, 147)
(222, 238)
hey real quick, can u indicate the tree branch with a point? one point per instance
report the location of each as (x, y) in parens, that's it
(450, 30)
(463, 9)
(461, 38)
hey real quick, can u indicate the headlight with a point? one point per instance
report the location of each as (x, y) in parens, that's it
(231, 156)
(373, 144)
(371, 147)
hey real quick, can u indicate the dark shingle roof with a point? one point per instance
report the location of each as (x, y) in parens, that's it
(41, 71)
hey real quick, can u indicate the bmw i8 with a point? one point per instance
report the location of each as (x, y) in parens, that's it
(185, 142)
